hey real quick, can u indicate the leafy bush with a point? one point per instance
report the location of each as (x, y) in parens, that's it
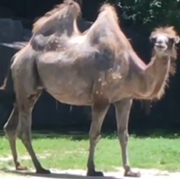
(150, 13)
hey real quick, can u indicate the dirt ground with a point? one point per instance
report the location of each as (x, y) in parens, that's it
(80, 174)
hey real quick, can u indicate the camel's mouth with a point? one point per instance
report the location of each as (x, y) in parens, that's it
(160, 47)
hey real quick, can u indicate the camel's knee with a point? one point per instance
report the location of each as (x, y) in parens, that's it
(9, 132)
(23, 134)
(9, 128)
(123, 134)
(94, 134)
(95, 139)
(12, 122)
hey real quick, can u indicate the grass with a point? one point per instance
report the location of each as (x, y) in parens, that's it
(66, 152)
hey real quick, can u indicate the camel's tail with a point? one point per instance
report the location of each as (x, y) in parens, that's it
(15, 45)
(7, 93)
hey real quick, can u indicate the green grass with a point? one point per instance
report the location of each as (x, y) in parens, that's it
(64, 152)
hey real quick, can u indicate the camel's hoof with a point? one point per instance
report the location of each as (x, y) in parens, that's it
(21, 168)
(42, 171)
(94, 173)
(132, 174)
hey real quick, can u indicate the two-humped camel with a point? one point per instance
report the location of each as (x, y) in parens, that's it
(96, 68)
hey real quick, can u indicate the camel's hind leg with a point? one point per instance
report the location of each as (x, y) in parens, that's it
(10, 129)
(25, 107)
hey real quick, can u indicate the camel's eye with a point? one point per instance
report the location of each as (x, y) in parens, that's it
(152, 39)
(171, 40)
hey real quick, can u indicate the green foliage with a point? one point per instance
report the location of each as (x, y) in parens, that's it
(150, 13)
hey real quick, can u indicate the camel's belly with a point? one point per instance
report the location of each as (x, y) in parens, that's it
(72, 96)
(68, 88)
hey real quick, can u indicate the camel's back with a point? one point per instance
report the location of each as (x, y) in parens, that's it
(81, 60)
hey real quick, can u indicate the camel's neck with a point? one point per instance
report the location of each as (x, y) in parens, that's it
(153, 78)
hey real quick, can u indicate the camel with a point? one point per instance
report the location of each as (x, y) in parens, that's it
(96, 68)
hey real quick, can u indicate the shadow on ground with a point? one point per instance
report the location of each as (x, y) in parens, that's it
(55, 175)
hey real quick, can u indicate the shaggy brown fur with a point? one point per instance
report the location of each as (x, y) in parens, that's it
(50, 18)
(95, 68)
(172, 35)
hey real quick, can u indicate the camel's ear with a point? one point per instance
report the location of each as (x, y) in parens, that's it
(177, 40)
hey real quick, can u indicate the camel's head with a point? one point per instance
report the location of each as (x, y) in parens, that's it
(164, 40)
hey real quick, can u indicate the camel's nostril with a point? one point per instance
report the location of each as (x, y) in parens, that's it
(159, 42)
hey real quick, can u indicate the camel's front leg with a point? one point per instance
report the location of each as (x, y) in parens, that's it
(123, 108)
(98, 113)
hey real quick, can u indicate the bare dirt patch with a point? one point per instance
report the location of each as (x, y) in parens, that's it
(23, 157)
